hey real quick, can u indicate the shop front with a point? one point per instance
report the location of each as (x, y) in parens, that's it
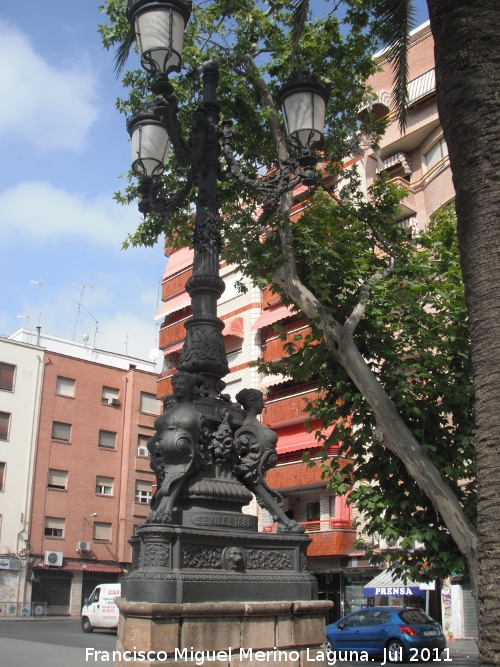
(388, 590)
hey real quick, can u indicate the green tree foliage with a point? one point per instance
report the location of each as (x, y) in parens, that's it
(249, 41)
(416, 337)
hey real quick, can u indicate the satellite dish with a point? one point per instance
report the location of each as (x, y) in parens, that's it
(154, 354)
(85, 337)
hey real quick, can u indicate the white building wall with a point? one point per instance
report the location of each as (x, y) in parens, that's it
(77, 350)
(18, 453)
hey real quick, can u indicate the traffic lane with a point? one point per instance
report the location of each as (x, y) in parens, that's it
(58, 633)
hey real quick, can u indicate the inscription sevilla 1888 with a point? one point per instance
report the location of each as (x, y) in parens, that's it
(220, 520)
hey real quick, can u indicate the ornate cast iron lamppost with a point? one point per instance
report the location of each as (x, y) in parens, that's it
(207, 452)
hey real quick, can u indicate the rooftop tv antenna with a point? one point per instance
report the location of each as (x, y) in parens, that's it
(96, 327)
(125, 342)
(39, 284)
(80, 294)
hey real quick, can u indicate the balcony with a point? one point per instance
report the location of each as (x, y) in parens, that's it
(330, 537)
(409, 203)
(172, 333)
(174, 285)
(295, 333)
(164, 383)
(289, 404)
(269, 298)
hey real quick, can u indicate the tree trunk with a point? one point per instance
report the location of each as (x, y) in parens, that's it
(467, 53)
(392, 432)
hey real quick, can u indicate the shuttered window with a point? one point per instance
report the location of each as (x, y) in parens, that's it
(109, 394)
(107, 439)
(7, 376)
(54, 527)
(58, 479)
(149, 403)
(143, 491)
(4, 425)
(61, 431)
(104, 485)
(65, 386)
(102, 531)
(2, 476)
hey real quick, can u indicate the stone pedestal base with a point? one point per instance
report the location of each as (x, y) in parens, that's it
(222, 634)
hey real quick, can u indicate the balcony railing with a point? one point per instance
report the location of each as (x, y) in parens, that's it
(322, 525)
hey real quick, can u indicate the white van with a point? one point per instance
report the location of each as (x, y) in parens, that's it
(100, 610)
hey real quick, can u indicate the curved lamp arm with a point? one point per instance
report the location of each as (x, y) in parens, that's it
(272, 189)
(155, 201)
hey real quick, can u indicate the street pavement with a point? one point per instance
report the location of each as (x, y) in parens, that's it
(61, 643)
(50, 643)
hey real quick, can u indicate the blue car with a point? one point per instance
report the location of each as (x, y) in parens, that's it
(396, 634)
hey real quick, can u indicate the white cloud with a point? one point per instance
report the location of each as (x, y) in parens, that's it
(42, 211)
(48, 107)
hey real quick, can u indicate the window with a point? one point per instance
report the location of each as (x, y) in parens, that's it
(61, 431)
(54, 527)
(107, 439)
(379, 617)
(110, 396)
(102, 531)
(355, 620)
(149, 403)
(436, 153)
(143, 491)
(104, 486)
(2, 476)
(4, 425)
(7, 376)
(58, 479)
(95, 596)
(142, 445)
(313, 511)
(65, 386)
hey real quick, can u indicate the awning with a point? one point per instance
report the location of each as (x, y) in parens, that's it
(74, 565)
(172, 305)
(233, 327)
(173, 348)
(178, 260)
(270, 380)
(272, 315)
(386, 583)
(300, 439)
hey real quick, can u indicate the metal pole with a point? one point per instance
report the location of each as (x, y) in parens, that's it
(203, 350)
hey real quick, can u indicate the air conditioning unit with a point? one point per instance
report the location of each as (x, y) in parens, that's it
(389, 543)
(54, 558)
(114, 401)
(142, 451)
(83, 546)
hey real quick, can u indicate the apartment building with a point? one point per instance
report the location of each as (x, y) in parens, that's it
(92, 481)
(21, 375)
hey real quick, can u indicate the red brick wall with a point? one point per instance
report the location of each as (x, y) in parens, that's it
(84, 460)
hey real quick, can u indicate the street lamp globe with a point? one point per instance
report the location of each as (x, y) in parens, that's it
(303, 99)
(159, 27)
(150, 143)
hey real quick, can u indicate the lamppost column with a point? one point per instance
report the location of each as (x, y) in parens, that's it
(203, 350)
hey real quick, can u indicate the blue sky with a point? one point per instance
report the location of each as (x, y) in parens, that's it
(64, 148)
